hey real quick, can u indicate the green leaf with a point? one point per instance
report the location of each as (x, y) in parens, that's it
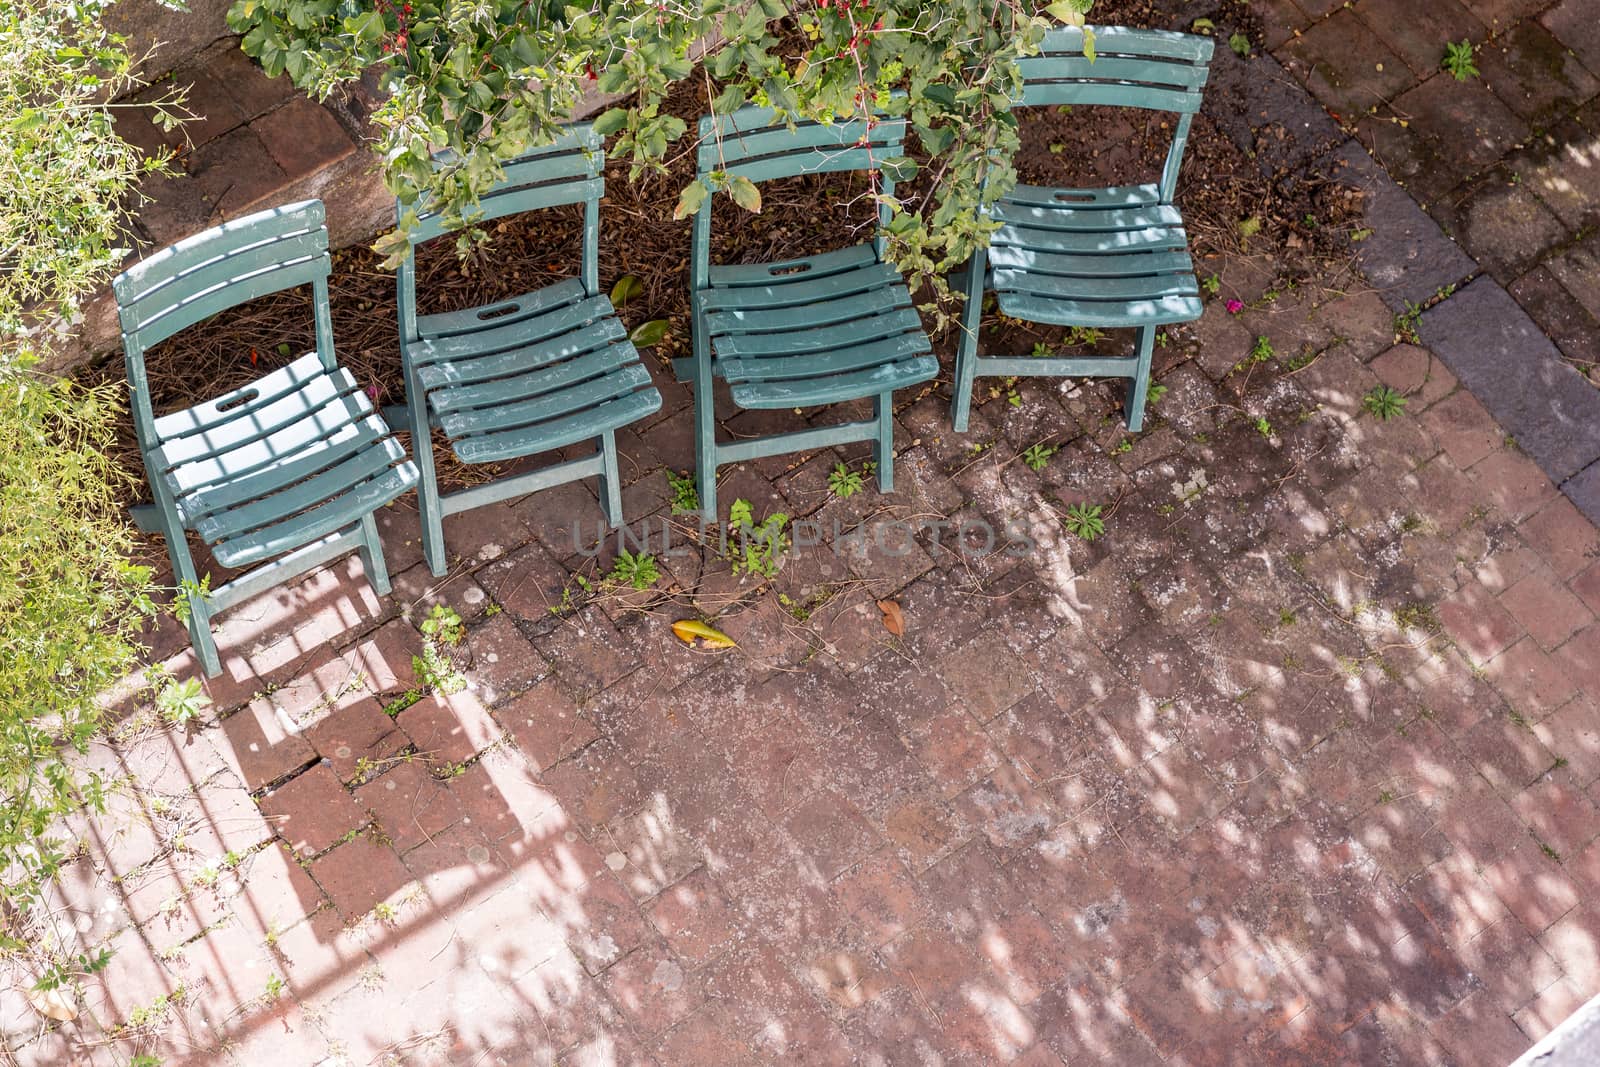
(1240, 44)
(628, 286)
(649, 333)
(367, 26)
(745, 193)
(694, 194)
(899, 168)
(1202, 26)
(610, 122)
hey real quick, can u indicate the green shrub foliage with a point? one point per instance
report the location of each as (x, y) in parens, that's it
(491, 78)
(71, 603)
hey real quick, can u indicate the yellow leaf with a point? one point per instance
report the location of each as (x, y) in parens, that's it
(691, 630)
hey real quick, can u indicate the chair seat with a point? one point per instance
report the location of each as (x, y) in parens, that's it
(811, 331)
(282, 462)
(538, 372)
(1106, 258)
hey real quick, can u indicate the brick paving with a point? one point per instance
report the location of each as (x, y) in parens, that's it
(1303, 767)
(1298, 763)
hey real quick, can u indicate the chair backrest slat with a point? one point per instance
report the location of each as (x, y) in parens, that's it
(569, 170)
(221, 268)
(748, 144)
(566, 171)
(754, 143)
(227, 265)
(1152, 69)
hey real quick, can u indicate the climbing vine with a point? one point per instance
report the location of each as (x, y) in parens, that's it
(490, 78)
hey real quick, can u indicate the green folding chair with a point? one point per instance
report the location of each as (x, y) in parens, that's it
(802, 332)
(1109, 258)
(289, 468)
(534, 373)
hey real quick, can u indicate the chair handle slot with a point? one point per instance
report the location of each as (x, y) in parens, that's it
(796, 268)
(244, 397)
(499, 311)
(1074, 198)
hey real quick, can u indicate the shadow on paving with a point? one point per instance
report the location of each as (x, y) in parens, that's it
(1295, 763)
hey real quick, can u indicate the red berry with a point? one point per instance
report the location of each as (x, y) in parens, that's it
(878, 25)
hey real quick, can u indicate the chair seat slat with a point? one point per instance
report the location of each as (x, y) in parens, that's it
(1089, 220)
(307, 526)
(799, 366)
(348, 467)
(1170, 72)
(801, 290)
(248, 457)
(1049, 196)
(1110, 244)
(727, 275)
(464, 371)
(194, 504)
(1105, 289)
(519, 332)
(819, 339)
(254, 423)
(537, 381)
(1130, 41)
(501, 312)
(1113, 314)
(243, 401)
(809, 316)
(559, 432)
(1133, 264)
(569, 398)
(814, 392)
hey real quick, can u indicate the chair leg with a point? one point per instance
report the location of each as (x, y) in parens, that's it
(372, 560)
(705, 431)
(1139, 386)
(429, 511)
(967, 345)
(883, 450)
(610, 481)
(205, 646)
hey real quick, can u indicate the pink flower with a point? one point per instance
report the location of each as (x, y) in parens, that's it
(1235, 306)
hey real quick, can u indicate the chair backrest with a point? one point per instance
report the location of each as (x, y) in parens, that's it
(753, 143)
(1151, 69)
(225, 266)
(569, 170)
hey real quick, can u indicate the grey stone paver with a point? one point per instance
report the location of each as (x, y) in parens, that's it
(1407, 258)
(1500, 353)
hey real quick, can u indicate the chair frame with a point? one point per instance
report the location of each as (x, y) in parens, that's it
(1038, 91)
(505, 199)
(181, 278)
(811, 148)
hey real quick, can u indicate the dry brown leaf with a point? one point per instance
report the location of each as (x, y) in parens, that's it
(53, 1004)
(894, 620)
